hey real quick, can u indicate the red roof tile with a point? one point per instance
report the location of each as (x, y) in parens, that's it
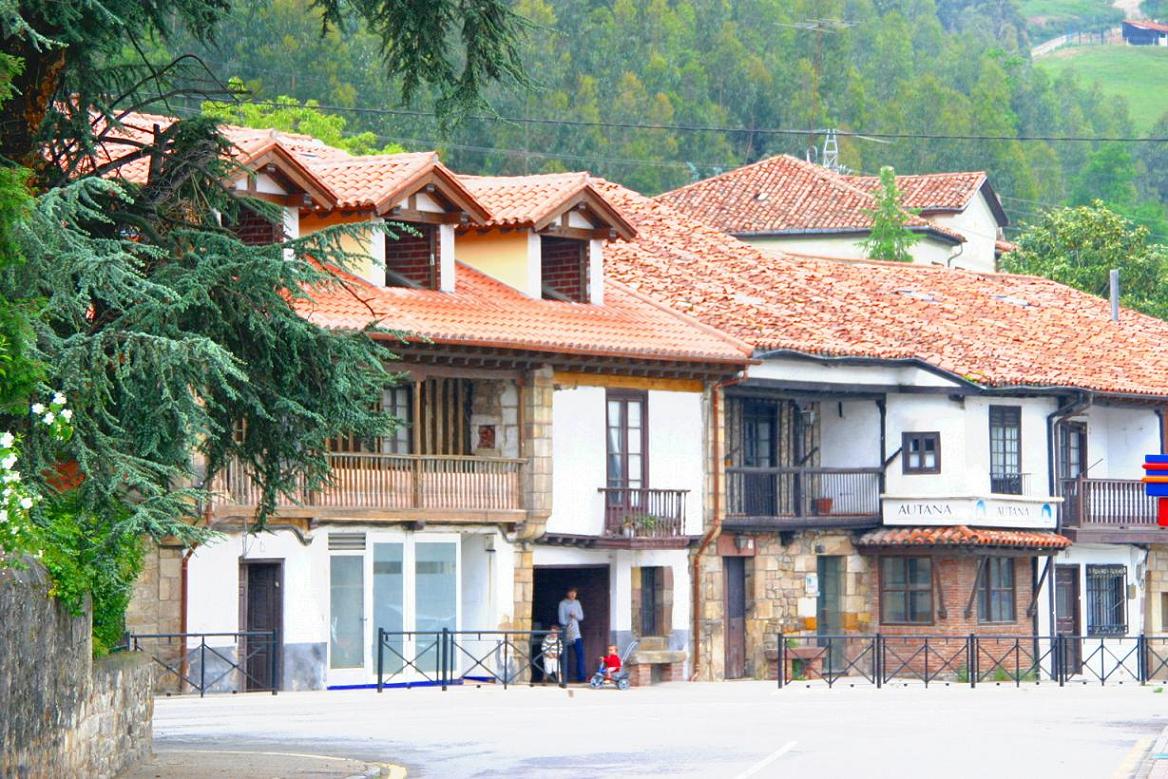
(532, 201)
(483, 312)
(962, 536)
(1146, 24)
(930, 191)
(781, 195)
(991, 329)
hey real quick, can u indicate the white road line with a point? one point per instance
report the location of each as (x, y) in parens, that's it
(772, 757)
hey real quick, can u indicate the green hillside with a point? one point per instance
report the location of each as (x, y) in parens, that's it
(1139, 74)
(1047, 18)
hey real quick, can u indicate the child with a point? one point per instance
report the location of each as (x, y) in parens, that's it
(550, 649)
(610, 663)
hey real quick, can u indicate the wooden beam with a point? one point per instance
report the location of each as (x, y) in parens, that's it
(981, 566)
(423, 217)
(942, 612)
(572, 378)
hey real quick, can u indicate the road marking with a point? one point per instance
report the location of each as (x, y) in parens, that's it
(1135, 756)
(772, 757)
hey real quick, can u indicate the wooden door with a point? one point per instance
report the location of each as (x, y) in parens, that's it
(759, 440)
(1067, 623)
(263, 611)
(735, 588)
(829, 607)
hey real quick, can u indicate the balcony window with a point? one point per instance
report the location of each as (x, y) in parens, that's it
(1006, 450)
(996, 596)
(906, 590)
(627, 434)
(1106, 600)
(921, 452)
(395, 401)
(1072, 450)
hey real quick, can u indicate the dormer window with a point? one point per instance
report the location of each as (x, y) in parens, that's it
(564, 269)
(411, 259)
(254, 229)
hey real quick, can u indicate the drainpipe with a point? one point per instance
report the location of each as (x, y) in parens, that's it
(1081, 402)
(715, 530)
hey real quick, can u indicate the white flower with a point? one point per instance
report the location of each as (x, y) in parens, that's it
(49, 417)
(8, 462)
(66, 414)
(3, 515)
(7, 440)
(11, 476)
(26, 503)
(38, 408)
(58, 399)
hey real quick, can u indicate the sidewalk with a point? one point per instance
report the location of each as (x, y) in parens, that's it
(212, 764)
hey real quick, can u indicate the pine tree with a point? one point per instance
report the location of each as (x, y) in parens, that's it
(889, 238)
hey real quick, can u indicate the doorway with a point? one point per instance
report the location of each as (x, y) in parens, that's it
(262, 605)
(1066, 609)
(829, 607)
(592, 590)
(735, 588)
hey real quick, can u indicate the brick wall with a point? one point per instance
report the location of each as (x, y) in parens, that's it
(562, 266)
(410, 255)
(253, 230)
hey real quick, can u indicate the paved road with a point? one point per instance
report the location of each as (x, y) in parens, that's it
(732, 729)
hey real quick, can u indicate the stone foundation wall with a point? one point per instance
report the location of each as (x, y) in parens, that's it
(1156, 597)
(62, 714)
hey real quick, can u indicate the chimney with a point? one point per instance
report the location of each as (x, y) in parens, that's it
(1114, 294)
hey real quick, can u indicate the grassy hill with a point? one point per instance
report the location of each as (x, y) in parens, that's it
(1139, 73)
(1047, 18)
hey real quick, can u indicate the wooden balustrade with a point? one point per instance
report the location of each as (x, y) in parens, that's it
(635, 512)
(1106, 502)
(803, 492)
(395, 481)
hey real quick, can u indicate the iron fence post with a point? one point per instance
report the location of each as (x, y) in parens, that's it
(830, 678)
(202, 666)
(444, 657)
(562, 661)
(877, 663)
(380, 657)
(505, 667)
(1142, 659)
(274, 663)
(782, 655)
(926, 662)
(1017, 668)
(971, 659)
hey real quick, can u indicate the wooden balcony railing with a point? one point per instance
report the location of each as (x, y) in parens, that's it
(803, 492)
(1113, 503)
(396, 481)
(634, 512)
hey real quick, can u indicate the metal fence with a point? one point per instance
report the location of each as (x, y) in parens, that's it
(244, 661)
(880, 659)
(454, 657)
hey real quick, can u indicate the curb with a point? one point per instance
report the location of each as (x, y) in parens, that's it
(1150, 766)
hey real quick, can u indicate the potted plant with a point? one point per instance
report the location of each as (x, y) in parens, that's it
(821, 506)
(638, 524)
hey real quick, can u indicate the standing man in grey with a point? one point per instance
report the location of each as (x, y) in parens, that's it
(571, 613)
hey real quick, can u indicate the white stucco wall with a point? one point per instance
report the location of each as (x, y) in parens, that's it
(848, 375)
(675, 454)
(927, 251)
(980, 228)
(849, 434)
(1083, 555)
(1118, 437)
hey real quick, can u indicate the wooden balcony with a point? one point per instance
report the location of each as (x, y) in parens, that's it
(801, 498)
(1109, 511)
(643, 517)
(392, 486)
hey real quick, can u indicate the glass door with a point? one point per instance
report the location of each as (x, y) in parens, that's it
(389, 605)
(346, 650)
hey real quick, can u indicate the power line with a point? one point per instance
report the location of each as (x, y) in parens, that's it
(728, 130)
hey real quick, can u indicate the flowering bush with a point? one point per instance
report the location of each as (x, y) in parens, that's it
(17, 497)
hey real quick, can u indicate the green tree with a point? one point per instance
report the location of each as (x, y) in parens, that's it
(890, 238)
(1079, 246)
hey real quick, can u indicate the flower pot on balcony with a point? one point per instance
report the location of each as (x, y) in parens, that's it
(821, 506)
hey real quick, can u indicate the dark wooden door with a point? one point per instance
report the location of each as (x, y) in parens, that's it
(263, 612)
(1066, 609)
(829, 607)
(735, 587)
(759, 433)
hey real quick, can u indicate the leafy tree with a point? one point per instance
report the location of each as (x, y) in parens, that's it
(890, 238)
(290, 115)
(1079, 246)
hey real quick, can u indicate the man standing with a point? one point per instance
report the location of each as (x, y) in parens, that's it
(571, 613)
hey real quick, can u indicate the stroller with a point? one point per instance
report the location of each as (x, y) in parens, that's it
(620, 679)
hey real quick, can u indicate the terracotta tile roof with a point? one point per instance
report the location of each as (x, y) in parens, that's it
(370, 180)
(994, 330)
(930, 191)
(782, 195)
(1146, 24)
(1004, 247)
(962, 536)
(483, 312)
(532, 201)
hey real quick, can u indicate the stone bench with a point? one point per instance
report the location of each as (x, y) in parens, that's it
(654, 661)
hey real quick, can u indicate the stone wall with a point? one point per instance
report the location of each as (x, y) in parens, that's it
(1156, 592)
(64, 714)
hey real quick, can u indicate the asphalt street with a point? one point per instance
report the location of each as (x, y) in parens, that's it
(731, 729)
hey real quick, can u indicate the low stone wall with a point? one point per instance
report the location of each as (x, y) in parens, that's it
(62, 713)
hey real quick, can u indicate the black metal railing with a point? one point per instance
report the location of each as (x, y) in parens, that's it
(803, 492)
(883, 659)
(636, 512)
(453, 657)
(1003, 483)
(243, 661)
